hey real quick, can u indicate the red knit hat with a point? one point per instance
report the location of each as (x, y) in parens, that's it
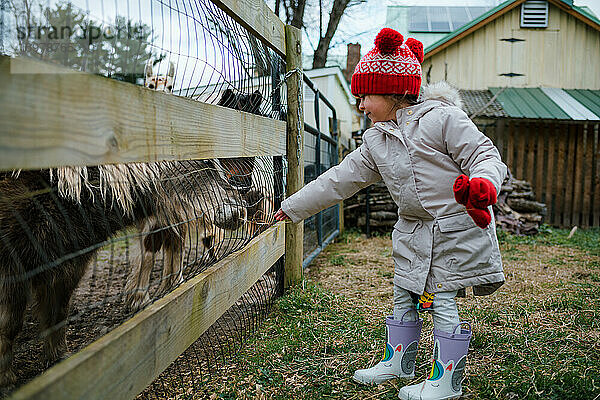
(391, 67)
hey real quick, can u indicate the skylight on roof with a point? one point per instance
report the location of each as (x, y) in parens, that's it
(442, 19)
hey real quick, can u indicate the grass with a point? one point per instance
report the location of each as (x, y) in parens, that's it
(585, 240)
(537, 337)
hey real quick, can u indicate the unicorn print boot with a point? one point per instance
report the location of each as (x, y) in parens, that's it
(449, 360)
(400, 352)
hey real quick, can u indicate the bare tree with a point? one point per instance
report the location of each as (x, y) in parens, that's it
(294, 15)
(277, 7)
(337, 11)
(294, 12)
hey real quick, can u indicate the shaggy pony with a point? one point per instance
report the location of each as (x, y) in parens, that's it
(53, 222)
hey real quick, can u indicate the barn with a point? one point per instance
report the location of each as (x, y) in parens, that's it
(529, 73)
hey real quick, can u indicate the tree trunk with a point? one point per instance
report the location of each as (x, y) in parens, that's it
(297, 17)
(320, 57)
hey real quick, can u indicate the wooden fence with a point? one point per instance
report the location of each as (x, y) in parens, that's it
(45, 122)
(562, 162)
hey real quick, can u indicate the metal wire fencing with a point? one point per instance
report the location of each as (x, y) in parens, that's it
(190, 48)
(96, 244)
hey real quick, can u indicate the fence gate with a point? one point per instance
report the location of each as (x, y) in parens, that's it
(320, 154)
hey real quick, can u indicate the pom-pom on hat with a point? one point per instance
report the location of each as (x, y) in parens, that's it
(392, 67)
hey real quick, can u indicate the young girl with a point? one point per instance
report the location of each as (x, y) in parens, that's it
(445, 237)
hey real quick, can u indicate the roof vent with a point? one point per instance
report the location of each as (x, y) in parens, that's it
(534, 14)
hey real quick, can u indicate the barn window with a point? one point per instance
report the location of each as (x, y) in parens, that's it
(534, 14)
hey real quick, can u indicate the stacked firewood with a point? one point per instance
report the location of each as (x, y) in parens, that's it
(383, 212)
(516, 210)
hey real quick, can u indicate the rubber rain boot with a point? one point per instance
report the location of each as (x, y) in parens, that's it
(400, 352)
(449, 361)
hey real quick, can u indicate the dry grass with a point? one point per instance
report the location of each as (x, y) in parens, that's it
(537, 337)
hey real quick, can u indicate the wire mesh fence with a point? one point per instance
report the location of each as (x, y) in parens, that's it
(110, 240)
(190, 48)
(93, 245)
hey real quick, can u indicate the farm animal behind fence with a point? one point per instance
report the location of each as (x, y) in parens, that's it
(190, 221)
(53, 222)
(237, 172)
(161, 83)
(239, 169)
(258, 193)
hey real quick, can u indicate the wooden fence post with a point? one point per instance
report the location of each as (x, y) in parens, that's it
(294, 233)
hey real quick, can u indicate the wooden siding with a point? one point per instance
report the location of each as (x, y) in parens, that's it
(565, 55)
(562, 162)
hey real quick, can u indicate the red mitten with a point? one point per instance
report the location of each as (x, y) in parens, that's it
(482, 193)
(482, 217)
(461, 189)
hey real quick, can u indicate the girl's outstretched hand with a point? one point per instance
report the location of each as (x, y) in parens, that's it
(281, 216)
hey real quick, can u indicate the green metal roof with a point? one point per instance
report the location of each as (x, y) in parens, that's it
(549, 103)
(589, 98)
(581, 10)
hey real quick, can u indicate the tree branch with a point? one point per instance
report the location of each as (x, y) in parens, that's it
(337, 11)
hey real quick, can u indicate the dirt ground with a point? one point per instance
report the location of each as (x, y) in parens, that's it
(99, 305)
(96, 308)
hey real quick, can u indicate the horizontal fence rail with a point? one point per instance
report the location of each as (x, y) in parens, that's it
(123, 362)
(258, 18)
(39, 128)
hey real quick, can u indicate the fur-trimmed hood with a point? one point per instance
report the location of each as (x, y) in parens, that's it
(441, 91)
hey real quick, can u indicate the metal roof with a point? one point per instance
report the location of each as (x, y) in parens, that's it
(549, 103)
(589, 98)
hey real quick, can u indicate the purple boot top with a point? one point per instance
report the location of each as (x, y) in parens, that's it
(453, 346)
(403, 332)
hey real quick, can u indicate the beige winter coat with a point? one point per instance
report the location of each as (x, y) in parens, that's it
(436, 245)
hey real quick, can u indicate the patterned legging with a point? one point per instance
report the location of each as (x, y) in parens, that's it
(445, 313)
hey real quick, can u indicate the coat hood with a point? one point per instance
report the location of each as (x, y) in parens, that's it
(442, 91)
(432, 96)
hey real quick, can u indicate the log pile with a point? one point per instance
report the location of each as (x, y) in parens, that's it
(383, 210)
(516, 210)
